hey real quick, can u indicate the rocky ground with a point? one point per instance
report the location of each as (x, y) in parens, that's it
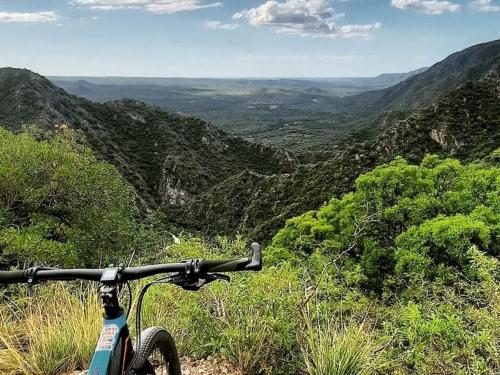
(210, 366)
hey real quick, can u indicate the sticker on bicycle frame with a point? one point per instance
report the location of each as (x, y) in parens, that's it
(107, 337)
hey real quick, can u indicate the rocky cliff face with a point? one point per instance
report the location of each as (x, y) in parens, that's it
(463, 124)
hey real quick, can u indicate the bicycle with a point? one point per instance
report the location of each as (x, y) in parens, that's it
(155, 349)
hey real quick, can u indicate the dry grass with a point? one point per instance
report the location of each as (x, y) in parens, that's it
(332, 347)
(42, 334)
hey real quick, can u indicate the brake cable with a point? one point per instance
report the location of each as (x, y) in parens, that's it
(163, 280)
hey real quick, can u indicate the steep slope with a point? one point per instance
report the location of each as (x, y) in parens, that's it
(464, 124)
(27, 97)
(425, 88)
(167, 158)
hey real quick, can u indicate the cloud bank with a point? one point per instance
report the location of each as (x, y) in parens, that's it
(314, 18)
(485, 6)
(35, 17)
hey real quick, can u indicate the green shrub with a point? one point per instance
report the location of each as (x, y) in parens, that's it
(58, 204)
(403, 216)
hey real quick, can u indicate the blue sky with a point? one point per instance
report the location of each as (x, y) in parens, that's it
(231, 38)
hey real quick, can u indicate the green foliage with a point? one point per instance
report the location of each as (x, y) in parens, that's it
(424, 239)
(399, 276)
(404, 219)
(455, 327)
(58, 204)
(265, 323)
(334, 350)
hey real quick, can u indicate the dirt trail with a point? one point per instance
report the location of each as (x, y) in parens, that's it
(208, 366)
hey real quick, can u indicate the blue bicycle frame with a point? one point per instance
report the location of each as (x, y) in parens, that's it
(113, 352)
(111, 348)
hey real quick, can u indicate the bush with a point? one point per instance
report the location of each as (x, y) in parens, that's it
(58, 204)
(420, 244)
(403, 216)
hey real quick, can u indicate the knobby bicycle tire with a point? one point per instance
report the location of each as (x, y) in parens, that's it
(158, 340)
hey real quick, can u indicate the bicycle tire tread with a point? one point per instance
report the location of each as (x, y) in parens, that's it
(153, 336)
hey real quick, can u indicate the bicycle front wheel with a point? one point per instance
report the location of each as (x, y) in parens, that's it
(158, 348)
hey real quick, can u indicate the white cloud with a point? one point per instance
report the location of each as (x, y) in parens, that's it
(427, 6)
(315, 18)
(217, 25)
(35, 17)
(155, 6)
(485, 6)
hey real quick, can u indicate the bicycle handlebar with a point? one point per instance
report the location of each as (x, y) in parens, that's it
(198, 266)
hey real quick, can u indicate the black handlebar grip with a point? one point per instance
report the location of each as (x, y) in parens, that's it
(12, 277)
(253, 263)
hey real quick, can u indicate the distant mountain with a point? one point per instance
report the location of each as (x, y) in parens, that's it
(464, 124)
(167, 158)
(238, 84)
(391, 79)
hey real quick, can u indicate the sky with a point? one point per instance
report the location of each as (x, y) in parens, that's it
(239, 38)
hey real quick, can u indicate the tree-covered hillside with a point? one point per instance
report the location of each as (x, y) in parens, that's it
(167, 158)
(463, 124)
(427, 87)
(203, 179)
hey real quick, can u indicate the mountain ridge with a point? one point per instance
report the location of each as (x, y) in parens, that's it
(206, 179)
(166, 157)
(424, 88)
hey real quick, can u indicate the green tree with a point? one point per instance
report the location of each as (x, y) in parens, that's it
(403, 219)
(58, 204)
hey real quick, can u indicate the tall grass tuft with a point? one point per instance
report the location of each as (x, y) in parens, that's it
(51, 331)
(332, 348)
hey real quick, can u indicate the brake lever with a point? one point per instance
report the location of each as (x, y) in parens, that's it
(188, 282)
